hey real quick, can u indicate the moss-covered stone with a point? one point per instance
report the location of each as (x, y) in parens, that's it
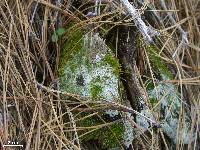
(89, 68)
(168, 98)
(88, 57)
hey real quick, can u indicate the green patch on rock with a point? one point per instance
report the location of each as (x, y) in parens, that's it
(73, 46)
(150, 86)
(158, 64)
(153, 101)
(108, 136)
(96, 90)
(113, 137)
(114, 62)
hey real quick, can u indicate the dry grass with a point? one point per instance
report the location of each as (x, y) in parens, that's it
(39, 116)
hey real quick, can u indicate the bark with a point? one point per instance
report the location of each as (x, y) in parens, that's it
(127, 48)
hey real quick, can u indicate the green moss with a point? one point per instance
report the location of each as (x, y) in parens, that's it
(158, 64)
(153, 101)
(72, 47)
(150, 86)
(96, 87)
(113, 137)
(113, 62)
(96, 90)
(108, 137)
(88, 63)
(88, 122)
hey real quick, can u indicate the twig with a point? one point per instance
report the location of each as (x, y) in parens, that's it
(184, 40)
(34, 12)
(104, 105)
(65, 12)
(108, 105)
(146, 31)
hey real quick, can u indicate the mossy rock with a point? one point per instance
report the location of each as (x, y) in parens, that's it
(88, 67)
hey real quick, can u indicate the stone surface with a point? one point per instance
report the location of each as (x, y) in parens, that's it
(93, 72)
